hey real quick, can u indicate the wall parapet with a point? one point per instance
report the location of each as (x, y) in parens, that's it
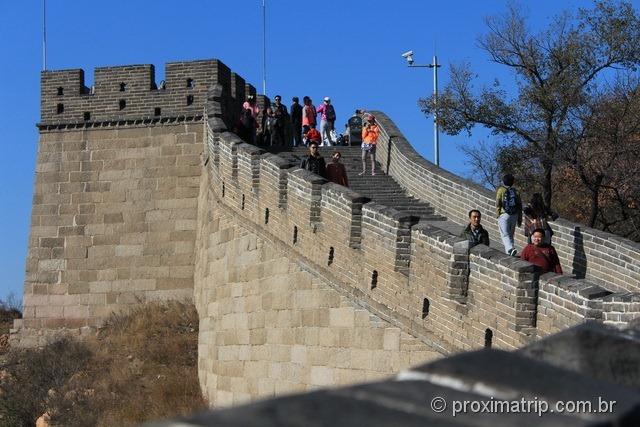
(621, 309)
(129, 93)
(565, 302)
(591, 253)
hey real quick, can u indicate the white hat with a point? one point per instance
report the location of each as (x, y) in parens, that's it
(326, 98)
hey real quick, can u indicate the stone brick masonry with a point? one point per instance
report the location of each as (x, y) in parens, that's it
(299, 282)
(113, 222)
(269, 327)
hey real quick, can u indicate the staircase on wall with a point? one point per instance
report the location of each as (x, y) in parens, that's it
(380, 188)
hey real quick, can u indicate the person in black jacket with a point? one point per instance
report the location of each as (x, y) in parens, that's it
(314, 161)
(296, 121)
(281, 121)
(474, 231)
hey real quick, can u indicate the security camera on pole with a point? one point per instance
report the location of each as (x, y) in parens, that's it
(436, 137)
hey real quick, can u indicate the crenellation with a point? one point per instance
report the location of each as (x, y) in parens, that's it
(228, 161)
(342, 208)
(304, 195)
(126, 93)
(249, 167)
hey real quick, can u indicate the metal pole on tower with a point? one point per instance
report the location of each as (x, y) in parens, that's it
(44, 35)
(264, 47)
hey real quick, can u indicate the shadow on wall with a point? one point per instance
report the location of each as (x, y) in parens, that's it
(579, 264)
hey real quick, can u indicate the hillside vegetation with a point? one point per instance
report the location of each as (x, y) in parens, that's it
(138, 367)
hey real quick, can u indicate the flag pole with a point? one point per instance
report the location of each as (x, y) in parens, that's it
(264, 47)
(44, 35)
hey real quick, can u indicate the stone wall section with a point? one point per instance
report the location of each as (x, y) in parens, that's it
(415, 275)
(113, 223)
(270, 327)
(565, 302)
(384, 261)
(584, 252)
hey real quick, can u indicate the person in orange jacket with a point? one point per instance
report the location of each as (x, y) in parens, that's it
(370, 133)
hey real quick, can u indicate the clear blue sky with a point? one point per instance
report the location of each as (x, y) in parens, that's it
(348, 50)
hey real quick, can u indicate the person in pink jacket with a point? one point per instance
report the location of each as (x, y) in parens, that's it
(250, 105)
(327, 120)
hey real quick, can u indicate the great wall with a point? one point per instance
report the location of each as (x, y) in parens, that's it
(142, 192)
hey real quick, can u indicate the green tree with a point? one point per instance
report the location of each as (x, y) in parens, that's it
(557, 72)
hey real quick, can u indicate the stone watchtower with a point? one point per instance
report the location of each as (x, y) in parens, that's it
(114, 205)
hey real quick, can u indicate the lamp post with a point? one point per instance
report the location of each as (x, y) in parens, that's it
(434, 65)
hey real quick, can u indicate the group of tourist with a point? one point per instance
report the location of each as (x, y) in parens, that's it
(510, 212)
(335, 171)
(302, 119)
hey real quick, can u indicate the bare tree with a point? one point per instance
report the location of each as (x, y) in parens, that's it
(483, 163)
(605, 155)
(556, 72)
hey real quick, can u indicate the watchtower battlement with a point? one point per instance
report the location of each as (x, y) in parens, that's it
(127, 93)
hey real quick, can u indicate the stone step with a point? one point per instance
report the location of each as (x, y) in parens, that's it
(380, 188)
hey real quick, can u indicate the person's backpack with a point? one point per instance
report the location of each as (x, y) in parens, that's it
(330, 113)
(510, 201)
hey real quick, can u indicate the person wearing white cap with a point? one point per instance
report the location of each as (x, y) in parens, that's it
(327, 120)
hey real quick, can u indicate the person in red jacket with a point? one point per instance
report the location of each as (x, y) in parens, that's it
(541, 254)
(336, 172)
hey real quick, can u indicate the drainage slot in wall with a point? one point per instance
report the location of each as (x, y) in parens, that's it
(330, 260)
(488, 338)
(266, 216)
(374, 279)
(295, 234)
(425, 308)
(122, 104)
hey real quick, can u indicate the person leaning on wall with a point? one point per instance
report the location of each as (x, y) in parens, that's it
(541, 254)
(474, 232)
